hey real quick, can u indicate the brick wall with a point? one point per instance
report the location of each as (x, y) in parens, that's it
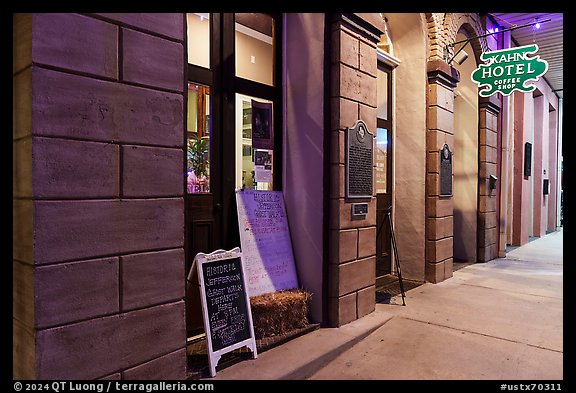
(98, 138)
(489, 109)
(442, 30)
(352, 243)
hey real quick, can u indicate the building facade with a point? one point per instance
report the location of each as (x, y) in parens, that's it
(131, 133)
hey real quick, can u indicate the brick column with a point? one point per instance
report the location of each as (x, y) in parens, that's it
(442, 80)
(489, 108)
(352, 243)
(98, 141)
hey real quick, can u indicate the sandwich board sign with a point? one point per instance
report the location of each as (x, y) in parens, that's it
(225, 304)
(508, 70)
(266, 242)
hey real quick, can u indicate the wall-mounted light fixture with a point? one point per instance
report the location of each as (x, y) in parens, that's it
(493, 180)
(461, 57)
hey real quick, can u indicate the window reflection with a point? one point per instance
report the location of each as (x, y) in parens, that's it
(381, 159)
(382, 95)
(254, 143)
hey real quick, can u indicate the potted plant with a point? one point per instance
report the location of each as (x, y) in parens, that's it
(197, 157)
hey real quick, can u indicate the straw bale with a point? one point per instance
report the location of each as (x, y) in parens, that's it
(279, 312)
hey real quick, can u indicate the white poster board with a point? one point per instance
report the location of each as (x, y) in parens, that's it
(225, 304)
(265, 241)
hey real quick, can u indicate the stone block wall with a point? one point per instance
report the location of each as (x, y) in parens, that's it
(489, 109)
(439, 209)
(352, 242)
(98, 230)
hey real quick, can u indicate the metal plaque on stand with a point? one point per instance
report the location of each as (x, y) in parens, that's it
(359, 161)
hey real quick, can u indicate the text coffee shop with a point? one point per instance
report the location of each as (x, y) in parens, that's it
(194, 189)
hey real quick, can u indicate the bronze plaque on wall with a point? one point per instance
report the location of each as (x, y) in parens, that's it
(445, 171)
(527, 159)
(359, 161)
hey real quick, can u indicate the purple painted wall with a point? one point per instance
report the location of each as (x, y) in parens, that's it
(98, 196)
(303, 149)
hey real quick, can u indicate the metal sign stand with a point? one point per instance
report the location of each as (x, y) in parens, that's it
(396, 259)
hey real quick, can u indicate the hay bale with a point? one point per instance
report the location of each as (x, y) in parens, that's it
(279, 312)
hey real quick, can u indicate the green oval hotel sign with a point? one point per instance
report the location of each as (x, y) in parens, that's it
(507, 70)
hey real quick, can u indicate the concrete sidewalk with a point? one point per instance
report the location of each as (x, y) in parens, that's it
(499, 320)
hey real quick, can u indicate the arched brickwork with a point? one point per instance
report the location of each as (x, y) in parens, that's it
(442, 79)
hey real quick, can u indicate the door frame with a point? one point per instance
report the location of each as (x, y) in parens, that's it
(387, 124)
(224, 84)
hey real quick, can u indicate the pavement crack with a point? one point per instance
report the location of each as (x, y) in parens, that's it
(482, 334)
(516, 292)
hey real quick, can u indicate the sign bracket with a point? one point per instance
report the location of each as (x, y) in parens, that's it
(487, 34)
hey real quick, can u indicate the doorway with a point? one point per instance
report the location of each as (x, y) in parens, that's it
(465, 162)
(383, 175)
(233, 67)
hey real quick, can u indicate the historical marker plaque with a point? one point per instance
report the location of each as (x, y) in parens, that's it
(359, 161)
(225, 304)
(445, 171)
(527, 159)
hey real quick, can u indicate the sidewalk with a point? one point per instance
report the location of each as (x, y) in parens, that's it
(499, 320)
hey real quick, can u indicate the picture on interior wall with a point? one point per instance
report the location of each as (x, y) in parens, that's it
(262, 127)
(263, 165)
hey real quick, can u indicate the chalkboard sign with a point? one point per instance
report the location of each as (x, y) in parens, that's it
(445, 171)
(359, 161)
(225, 304)
(265, 241)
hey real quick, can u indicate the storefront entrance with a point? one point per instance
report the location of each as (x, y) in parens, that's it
(232, 71)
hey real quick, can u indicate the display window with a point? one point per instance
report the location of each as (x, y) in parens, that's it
(198, 139)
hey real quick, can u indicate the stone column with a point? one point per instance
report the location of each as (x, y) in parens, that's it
(442, 79)
(521, 197)
(98, 141)
(352, 243)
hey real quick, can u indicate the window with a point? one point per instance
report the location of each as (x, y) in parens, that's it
(383, 130)
(254, 148)
(254, 40)
(199, 39)
(382, 94)
(381, 160)
(198, 140)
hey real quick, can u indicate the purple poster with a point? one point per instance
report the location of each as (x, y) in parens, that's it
(262, 126)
